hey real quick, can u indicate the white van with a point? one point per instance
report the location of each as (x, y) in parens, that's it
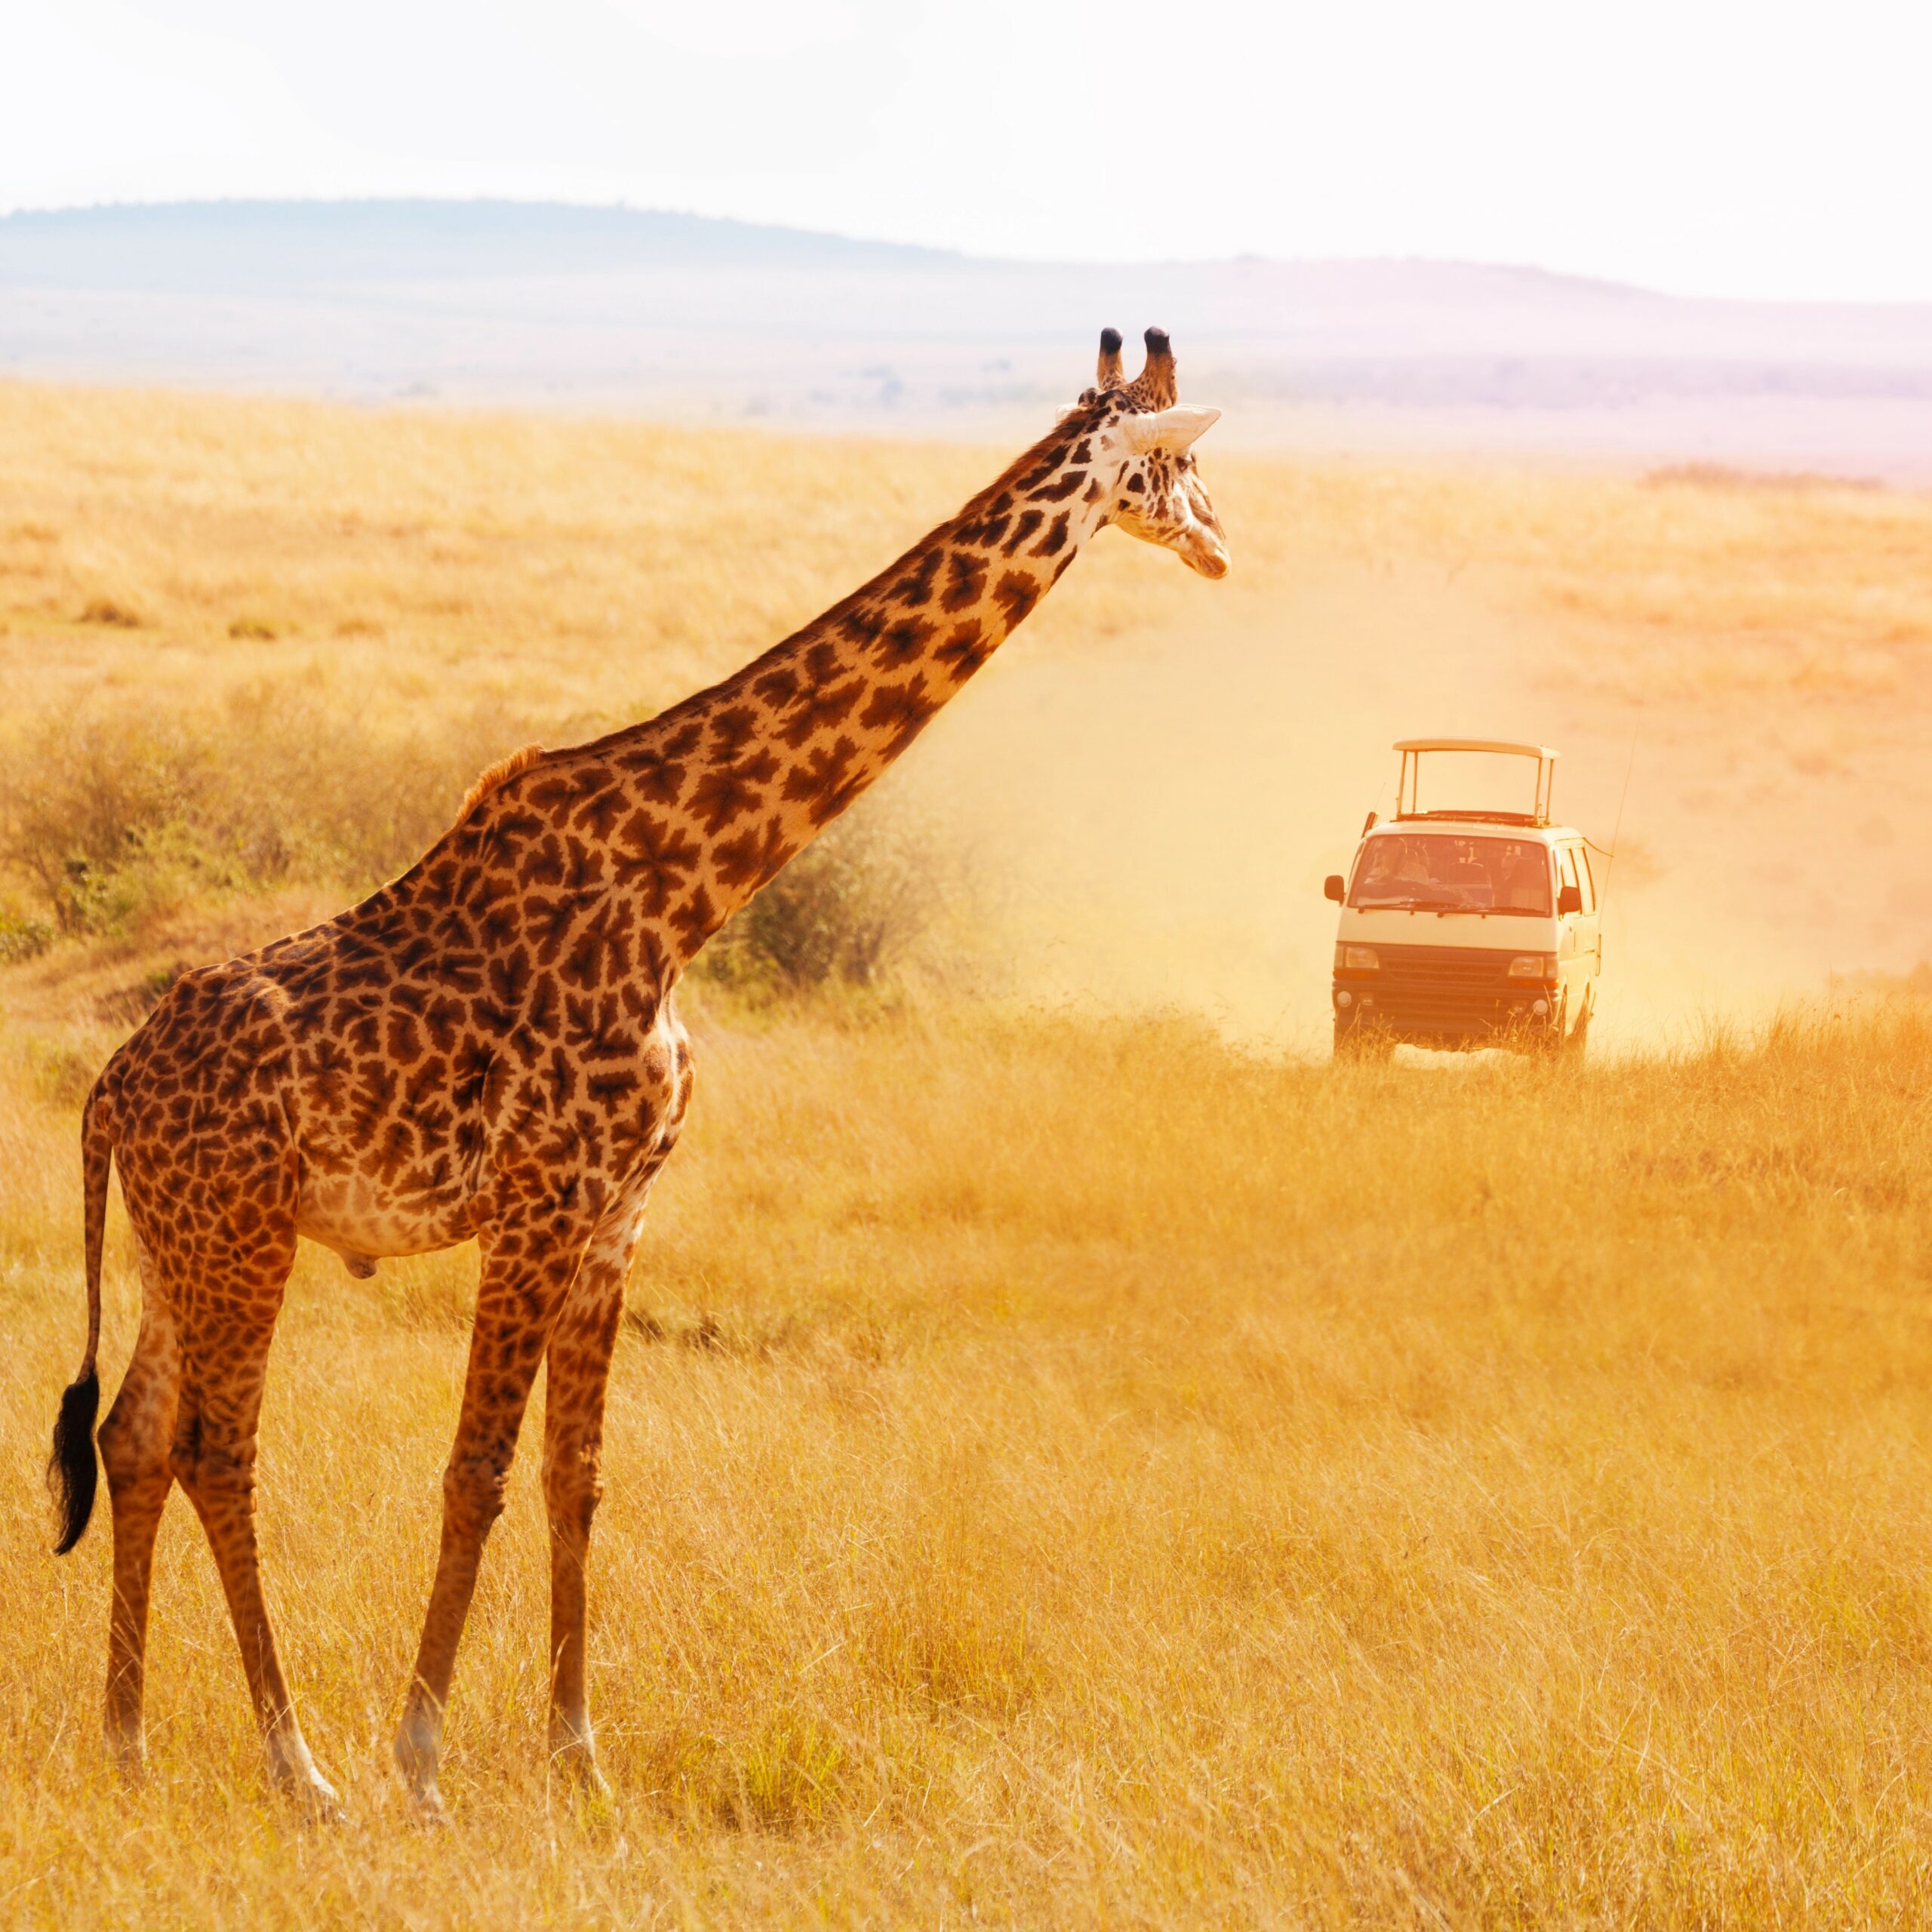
(1462, 928)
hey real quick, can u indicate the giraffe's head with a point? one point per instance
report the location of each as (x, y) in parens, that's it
(1158, 496)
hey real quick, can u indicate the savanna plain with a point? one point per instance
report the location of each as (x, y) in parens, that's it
(1076, 1457)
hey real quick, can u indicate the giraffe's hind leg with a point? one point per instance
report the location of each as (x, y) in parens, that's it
(134, 1441)
(229, 1321)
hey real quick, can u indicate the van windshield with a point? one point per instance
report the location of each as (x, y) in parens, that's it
(1435, 872)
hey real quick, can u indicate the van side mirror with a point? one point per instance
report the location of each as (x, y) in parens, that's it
(1569, 899)
(1334, 886)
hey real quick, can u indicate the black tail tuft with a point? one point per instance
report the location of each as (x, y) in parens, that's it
(71, 1472)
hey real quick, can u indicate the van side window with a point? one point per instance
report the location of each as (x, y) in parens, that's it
(1587, 878)
(1566, 870)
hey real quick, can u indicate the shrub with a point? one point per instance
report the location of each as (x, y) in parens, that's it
(852, 909)
(23, 936)
(81, 804)
(114, 816)
(116, 617)
(106, 817)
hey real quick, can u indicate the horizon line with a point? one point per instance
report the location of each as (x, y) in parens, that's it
(962, 257)
(939, 252)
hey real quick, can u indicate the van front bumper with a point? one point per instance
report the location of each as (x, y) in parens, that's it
(1443, 995)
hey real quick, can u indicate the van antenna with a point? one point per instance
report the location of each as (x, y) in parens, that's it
(1617, 832)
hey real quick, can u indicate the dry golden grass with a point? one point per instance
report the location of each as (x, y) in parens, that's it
(1072, 1475)
(1685, 588)
(441, 588)
(565, 568)
(561, 568)
(1062, 1471)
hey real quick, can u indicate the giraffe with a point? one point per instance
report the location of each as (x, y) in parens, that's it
(486, 1047)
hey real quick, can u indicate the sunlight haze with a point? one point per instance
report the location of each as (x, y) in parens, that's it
(1712, 148)
(1241, 1333)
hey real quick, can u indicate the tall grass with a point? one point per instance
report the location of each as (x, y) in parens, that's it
(1062, 1471)
(113, 816)
(1068, 1473)
(177, 545)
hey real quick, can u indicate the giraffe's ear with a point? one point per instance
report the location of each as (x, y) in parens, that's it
(1174, 430)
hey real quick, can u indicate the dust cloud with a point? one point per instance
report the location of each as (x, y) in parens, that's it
(1155, 812)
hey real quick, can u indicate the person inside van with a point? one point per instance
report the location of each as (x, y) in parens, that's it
(1396, 870)
(1526, 885)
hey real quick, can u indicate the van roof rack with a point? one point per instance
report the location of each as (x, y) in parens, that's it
(1408, 803)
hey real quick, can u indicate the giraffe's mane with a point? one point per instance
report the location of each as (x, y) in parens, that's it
(499, 775)
(1083, 417)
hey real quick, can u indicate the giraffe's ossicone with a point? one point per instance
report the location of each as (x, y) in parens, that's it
(486, 1048)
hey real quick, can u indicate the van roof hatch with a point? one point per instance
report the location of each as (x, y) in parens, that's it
(1408, 789)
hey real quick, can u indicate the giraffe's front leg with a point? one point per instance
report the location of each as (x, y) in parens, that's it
(527, 1272)
(576, 1380)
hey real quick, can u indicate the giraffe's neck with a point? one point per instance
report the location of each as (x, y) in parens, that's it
(733, 783)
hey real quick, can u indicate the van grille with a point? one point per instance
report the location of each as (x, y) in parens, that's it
(1446, 989)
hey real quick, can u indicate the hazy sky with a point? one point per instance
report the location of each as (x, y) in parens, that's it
(1698, 145)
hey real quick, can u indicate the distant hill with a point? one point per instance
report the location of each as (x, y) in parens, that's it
(686, 316)
(238, 245)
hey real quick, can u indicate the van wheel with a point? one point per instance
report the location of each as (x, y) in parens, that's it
(1576, 1043)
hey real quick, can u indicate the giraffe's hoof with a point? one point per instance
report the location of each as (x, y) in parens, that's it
(416, 1759)
(580, 1774)
(316, 1800)
(292, 1772)
(574, 1758)
(130, 1752)
(428, 1809)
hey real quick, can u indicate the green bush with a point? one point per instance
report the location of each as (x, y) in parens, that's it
(106, 818)
(853, 909)
(23, 936)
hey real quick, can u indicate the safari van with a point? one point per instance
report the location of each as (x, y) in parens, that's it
(1465, 925)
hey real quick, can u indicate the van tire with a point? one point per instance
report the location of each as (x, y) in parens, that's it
(1576, 1042)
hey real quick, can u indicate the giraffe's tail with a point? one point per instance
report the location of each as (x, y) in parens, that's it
(71, 1471)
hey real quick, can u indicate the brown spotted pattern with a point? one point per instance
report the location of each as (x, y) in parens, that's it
(486, 1047)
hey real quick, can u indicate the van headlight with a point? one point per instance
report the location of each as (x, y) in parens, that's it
(1533, 966)
(1356, 959)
